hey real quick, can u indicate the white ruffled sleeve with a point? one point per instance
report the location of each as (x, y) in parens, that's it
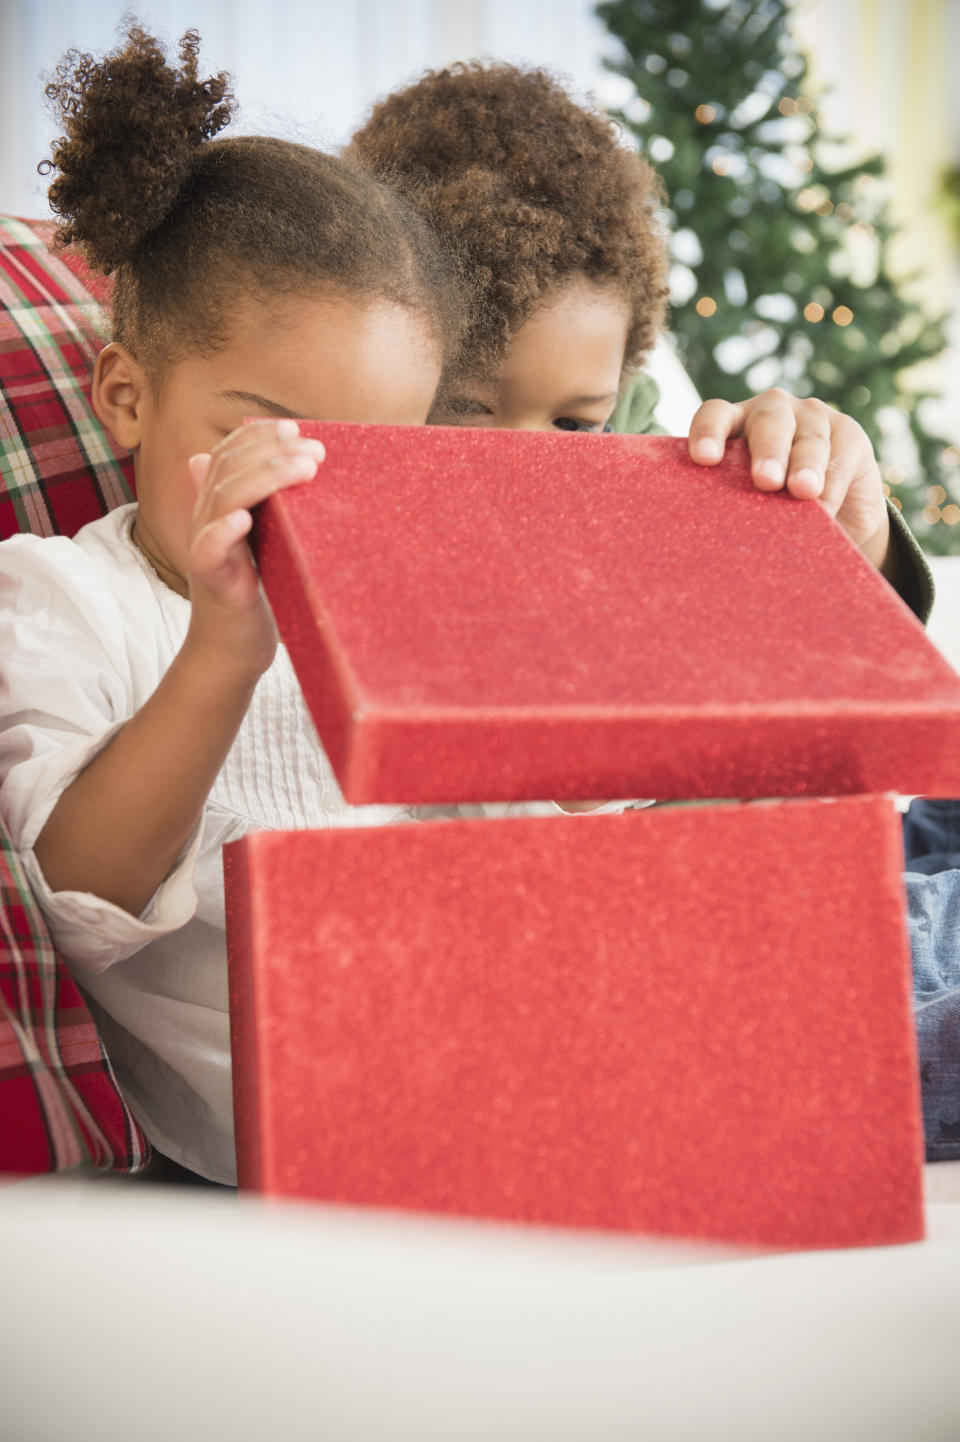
(73, 670)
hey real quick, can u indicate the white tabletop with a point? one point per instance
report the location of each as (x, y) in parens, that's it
(133, 1311)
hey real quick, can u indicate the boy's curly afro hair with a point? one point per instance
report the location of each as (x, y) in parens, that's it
(529, 188)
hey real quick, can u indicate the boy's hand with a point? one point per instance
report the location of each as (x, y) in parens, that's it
(811, 450)
(230, 617)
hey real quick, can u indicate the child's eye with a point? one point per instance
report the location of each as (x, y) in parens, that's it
(464, 406)
(568, 423)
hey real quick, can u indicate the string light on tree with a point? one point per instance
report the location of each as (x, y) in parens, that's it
(787, 238)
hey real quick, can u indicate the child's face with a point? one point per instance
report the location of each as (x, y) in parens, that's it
(562, 371)
(325, 357)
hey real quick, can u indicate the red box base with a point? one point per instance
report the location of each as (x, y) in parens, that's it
(692, 1022)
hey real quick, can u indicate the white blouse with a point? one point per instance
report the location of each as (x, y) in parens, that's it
(87, 629)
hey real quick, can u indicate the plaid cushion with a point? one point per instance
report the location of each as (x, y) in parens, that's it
(58, 467)
(59, 1101)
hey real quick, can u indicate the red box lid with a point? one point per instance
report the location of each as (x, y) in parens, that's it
(497, 615)
(692, 1021)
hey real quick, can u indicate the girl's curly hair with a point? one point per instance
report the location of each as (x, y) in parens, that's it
(529, 188)
(186, 222)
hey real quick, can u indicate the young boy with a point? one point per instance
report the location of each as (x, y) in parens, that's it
(556, 227)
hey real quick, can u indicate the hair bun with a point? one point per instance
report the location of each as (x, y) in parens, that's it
(133, 125)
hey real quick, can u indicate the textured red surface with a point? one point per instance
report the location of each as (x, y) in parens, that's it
(490, 615)
(692, 1021)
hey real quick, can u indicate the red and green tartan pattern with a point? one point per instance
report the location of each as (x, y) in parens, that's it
(60, 1105)
(58, 467)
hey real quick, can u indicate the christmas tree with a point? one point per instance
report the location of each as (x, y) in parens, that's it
(780, 258)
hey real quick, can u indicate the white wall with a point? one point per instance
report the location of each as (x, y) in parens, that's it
(307, 69)
(944, 625)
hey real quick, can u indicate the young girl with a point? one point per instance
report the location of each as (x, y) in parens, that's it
(146, 714)
(556, 226)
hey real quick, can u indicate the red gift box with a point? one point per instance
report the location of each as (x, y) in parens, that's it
(689, 1021)
(491, 615)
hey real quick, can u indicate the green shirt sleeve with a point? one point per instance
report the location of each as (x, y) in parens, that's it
(635, 415)
(916, 580)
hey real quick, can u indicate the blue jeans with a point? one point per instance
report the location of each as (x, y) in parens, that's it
(931, 836)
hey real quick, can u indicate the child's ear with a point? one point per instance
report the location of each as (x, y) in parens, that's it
(119, 389)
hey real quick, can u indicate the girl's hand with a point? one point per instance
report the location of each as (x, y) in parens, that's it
(811, 450)
(120, 825)
(230, 619)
